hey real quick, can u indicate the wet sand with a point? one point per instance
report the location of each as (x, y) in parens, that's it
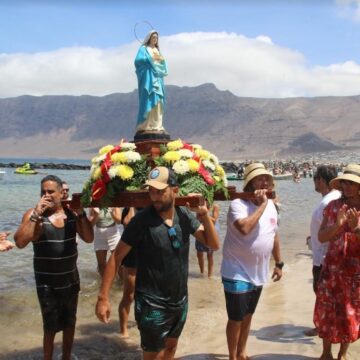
(283, 314)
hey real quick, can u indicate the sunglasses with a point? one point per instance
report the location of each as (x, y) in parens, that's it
(175, 243)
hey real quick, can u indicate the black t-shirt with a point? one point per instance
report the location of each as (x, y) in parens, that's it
(162, 269)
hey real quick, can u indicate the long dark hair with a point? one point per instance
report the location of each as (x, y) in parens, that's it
(157, 43)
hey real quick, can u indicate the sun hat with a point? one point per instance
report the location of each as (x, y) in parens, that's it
(161, 177)
(351, 173)
(254, 170)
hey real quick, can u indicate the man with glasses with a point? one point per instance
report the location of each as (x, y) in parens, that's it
(323, 175)
(65, 191)
(160, 235)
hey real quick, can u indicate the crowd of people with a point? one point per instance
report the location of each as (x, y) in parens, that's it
(152, 255)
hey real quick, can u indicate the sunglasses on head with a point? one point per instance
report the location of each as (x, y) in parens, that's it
(175, 243)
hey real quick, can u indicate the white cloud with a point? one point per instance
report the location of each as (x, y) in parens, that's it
(349, 9)
(253, 67)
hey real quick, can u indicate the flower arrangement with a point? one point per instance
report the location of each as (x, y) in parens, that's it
(121, 168)
(197, 169)
(115, 169)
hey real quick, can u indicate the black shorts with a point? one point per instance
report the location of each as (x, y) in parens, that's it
(238, 305)
(129, 260)
(157, 323)
(58, 309)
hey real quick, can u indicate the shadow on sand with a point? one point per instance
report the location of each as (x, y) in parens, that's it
(281, 357)
(93, 341)
(204, 357)
(284, 333)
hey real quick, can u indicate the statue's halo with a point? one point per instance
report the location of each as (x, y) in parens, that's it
(136, 29)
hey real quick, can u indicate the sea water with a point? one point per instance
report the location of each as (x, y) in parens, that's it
(19, 307)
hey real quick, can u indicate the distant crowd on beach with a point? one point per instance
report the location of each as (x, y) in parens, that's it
(152, 256)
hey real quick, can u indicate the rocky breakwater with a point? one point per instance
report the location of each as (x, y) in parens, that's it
(48, 165)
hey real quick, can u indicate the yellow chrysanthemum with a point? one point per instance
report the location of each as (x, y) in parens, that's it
(175, 145)
(193, 165)
(125, 172)
(171, 156)
(96, 174)
(203, 154)
(105, 149)
(220, 171)
(118, 157)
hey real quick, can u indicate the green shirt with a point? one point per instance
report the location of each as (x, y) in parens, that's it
(162, 269)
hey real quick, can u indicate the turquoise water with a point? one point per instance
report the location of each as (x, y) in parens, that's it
(21, 192)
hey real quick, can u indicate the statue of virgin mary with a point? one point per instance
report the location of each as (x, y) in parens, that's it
(151, 68)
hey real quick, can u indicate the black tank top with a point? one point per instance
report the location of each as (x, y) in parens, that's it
(55, 255)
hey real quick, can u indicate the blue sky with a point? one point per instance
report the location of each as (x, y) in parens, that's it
(44, 45)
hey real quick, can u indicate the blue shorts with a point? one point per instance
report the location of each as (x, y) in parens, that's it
(202, 248)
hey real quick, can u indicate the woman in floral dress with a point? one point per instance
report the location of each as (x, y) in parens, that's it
(337, 308)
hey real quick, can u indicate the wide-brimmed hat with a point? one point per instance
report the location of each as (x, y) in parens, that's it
(161, 177)
(351, 173)
(254, 170)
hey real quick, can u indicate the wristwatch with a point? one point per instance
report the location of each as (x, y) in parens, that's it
(279, 265)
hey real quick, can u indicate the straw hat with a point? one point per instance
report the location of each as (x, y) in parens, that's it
(254, 170)
(351, 173)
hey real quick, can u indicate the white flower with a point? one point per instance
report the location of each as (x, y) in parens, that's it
(214, 159)
(186, 153)
(196, 146)
(128, 146)
(113, 171)
(210, 165)
(98, 159)
(181, 167)
(132, 156)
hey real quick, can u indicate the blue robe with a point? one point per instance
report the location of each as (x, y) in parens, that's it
(150, 76)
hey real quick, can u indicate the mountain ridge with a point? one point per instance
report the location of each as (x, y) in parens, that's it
(230, 126)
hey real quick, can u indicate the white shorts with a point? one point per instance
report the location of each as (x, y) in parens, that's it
(106, 238)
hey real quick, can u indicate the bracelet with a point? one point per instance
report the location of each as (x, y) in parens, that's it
(35, 217)
(279, 265)
(102, 298)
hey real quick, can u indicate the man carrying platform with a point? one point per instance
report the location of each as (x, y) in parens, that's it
(160, 235)
(52, 230)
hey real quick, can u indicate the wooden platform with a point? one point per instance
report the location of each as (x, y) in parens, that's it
(142, 199)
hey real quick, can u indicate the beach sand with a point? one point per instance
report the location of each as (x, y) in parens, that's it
(283, 314)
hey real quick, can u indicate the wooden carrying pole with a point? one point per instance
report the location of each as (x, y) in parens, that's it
(142, 199)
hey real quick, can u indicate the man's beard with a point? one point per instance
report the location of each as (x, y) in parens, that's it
(162, 207)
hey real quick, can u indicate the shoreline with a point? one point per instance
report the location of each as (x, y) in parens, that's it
(284, 312)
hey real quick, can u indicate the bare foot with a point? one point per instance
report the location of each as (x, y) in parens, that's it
(341, 357)
(326, 357)
(124, 335)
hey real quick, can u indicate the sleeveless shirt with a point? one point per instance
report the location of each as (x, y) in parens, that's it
(55, 255)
